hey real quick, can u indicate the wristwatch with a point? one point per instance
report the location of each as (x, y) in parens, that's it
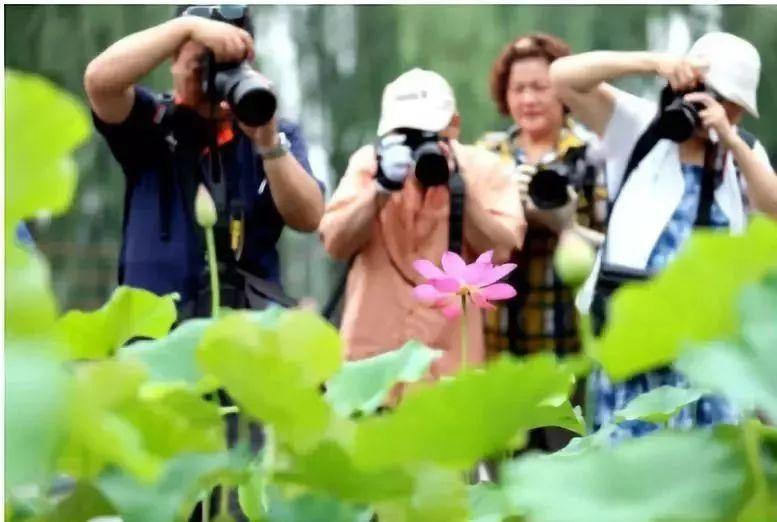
(278, 150)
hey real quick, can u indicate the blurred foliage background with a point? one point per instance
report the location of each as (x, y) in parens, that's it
(330, 64)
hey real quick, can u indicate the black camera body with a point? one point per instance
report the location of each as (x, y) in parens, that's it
(431, 164)
(679, 119)
(548, 186)
(248, 93)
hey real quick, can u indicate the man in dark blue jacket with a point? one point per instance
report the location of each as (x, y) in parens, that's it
(259, 176)
(167, 145)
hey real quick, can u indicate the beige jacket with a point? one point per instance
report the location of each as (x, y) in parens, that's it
(380, 312)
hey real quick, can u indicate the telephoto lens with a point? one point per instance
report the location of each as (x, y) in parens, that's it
(249, 94)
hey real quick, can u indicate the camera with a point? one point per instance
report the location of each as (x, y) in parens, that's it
(248, 93)
(678, 119)
(431, 164)
(548, 187)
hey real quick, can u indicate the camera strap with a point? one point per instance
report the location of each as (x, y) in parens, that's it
(612, 276)
(179, 165)
(333, 303)
(712, 173)
(456, 193)
(644, 145)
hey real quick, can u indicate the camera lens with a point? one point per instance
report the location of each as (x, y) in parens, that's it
(248, 93)
(548, 189)
(252, 103)
(431, 165)
(679, 121)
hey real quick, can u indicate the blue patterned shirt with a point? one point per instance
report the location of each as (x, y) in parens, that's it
(680, 226)
(611, 397)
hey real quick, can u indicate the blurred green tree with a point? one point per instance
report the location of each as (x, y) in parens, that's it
(341, 80)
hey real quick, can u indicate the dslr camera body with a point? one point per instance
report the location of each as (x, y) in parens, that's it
(679, 119)
(249, 94)
(431, 163)
(548, 186)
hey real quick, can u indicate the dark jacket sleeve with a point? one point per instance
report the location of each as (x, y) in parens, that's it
(131, 140)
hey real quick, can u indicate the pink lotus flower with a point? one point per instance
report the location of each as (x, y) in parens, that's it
(446, 288)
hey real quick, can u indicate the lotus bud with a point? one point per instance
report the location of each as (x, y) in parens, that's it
(574, 258)
(204, 208)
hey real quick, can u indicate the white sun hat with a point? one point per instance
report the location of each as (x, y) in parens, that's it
(734, 67)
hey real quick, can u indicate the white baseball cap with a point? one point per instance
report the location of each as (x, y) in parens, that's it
(734, 67)
(417, 99)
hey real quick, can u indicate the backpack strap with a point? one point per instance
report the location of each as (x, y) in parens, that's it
(750, 140)
(747, 137)
(608, 271)
(644, 145)
(166, 108)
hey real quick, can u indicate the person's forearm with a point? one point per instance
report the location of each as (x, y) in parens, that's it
(345, 230)
(583, 72)
(484, 231)
(295, 193)
(125, 62)
(761, 180)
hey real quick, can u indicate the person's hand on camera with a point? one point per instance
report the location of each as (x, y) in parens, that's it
(683, 74)
(395, 162)
(447, 150)
(264, 137)
(713, 116)
(523, 174)
(556, 219)
(228, 43)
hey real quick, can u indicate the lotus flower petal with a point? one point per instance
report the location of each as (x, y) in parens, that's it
(481, 302)
(476, 272)
(428, 269)
(496, 273)
(485, 257)
(446, 284)
(428, 294)
(497, 291)
(453, 264)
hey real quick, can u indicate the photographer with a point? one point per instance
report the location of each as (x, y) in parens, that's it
(218, 129)
(560, 184)
(394, 205)
(671, 167)
(253, 164)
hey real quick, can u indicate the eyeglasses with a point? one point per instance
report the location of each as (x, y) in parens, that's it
(224, 13)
